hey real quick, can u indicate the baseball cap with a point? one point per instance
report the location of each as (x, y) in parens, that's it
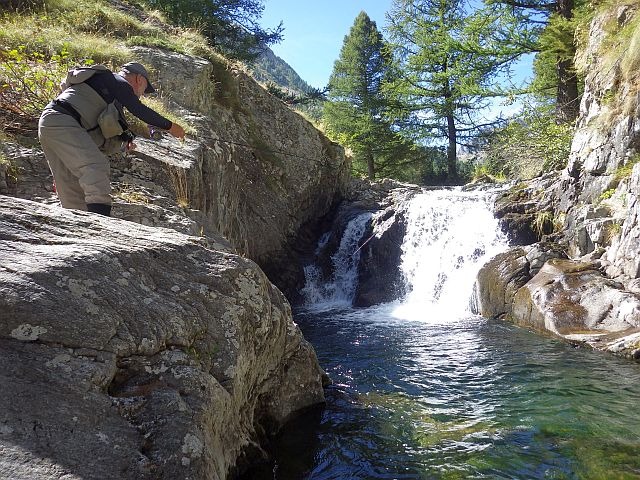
(135, 67)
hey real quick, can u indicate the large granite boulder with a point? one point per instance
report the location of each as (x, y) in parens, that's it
(568, 297)
(259, 171)
(576, 301)
(502, 276)
(498, 281)
(132, 352)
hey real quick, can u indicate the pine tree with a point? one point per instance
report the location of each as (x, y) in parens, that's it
(354, 112)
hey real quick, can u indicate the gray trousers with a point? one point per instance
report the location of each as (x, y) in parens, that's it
(80, 170)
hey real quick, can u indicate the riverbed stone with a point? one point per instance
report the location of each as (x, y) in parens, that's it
(499, 279)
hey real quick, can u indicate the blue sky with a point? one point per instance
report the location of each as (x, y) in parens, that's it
(314, 32)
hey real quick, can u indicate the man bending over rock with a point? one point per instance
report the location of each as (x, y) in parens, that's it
(85, 122)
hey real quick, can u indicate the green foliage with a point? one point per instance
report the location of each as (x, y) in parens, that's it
(543, 223)
(229, 25)
(29, 82)
(625, 170)
(553, 29)
(528, 145)
(482, 173)
(447, 58)
(607, 194)
(353, 114)
(48, 33)
(45, 39)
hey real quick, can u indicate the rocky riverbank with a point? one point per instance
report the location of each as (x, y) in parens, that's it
(151, 345)
(138, 350)
(575, 271)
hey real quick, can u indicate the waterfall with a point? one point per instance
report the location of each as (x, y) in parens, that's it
(340, 290)
(450, 235)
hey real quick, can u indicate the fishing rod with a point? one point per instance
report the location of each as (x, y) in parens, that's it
(365, 242)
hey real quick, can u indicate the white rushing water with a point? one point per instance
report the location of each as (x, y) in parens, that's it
(450, 235)
(340, 290)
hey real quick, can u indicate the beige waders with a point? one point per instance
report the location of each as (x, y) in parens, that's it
(80, 170)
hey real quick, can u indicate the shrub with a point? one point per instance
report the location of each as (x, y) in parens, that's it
(29, 82)
(528, 145)
(625, 170)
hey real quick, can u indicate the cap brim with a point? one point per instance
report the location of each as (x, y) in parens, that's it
(149, 88)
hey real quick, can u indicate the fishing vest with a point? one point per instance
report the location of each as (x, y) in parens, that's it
(103, 121)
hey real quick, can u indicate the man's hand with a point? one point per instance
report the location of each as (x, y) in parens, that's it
(177, 131)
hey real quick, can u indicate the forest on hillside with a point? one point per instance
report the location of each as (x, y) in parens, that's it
(414, 99)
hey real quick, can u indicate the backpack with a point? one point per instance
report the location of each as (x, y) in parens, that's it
(82, 74)
(111, 120)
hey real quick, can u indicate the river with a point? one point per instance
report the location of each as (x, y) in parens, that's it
(425, 389)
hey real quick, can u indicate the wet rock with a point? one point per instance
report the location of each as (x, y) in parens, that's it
(380, 279)
(137, 351)
(569, 297)
(498, 281)
(380, 248)
(500, 278)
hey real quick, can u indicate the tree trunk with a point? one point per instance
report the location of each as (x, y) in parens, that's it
(371, 166)
(452, 173)
(567, 97)
(567, 100)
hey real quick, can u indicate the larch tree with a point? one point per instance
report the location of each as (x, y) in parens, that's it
(445, 62)
(551, 27)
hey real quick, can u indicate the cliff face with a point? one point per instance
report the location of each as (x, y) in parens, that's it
(597, 185)
(588, 214)
(260, 171)
(256, 173)
(137, 351)
(159, 349)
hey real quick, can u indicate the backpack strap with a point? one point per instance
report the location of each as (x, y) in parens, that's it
(61, 106)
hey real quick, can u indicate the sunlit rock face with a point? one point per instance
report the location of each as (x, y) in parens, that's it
(254, 171)
(593, 208)
(538, 287)
(137, 351)
(499, 280)
(567, 297)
